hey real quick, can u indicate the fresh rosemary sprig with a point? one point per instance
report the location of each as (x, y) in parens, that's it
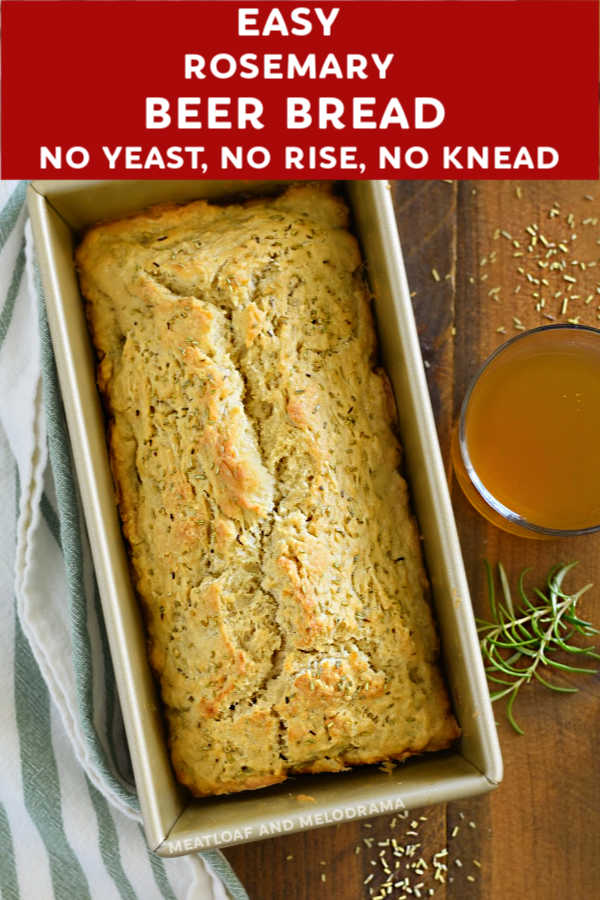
(522, 639)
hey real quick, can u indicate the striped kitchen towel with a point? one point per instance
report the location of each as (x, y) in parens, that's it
(69, 816)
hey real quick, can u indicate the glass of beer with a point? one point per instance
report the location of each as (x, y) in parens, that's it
(526, 449)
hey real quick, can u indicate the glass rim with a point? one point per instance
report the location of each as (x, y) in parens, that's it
(495, 504)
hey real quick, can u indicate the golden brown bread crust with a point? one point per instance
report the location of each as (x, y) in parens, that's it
(256, 469)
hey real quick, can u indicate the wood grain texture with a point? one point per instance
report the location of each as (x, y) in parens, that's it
(538, 835)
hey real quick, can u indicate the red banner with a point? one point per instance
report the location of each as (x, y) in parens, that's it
(154, 89)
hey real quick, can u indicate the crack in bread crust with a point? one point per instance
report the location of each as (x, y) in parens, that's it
(254, 454)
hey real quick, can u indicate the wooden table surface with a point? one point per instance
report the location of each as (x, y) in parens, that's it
(538, 834)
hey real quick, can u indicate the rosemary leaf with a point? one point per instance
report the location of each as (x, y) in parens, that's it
(522, 636)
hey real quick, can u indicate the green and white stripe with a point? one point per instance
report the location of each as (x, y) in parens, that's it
(69, 816)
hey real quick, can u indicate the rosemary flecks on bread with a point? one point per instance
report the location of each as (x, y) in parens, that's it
(256, 466)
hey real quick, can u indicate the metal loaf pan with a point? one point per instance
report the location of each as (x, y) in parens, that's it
(174, 822)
